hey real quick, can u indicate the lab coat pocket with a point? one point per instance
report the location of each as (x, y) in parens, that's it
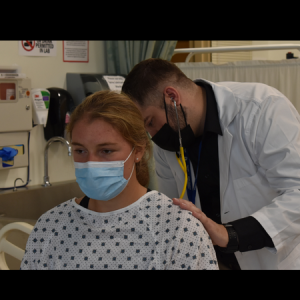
(252, 193)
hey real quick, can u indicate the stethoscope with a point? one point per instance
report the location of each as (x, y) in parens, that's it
(181, 162)
(186, 170)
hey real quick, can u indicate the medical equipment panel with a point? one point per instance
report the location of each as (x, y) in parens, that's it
(82, 85)
(15, 105)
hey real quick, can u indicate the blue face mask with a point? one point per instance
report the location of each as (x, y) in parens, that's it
(101, 180)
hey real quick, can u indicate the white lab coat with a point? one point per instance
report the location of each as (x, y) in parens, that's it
(259, 161)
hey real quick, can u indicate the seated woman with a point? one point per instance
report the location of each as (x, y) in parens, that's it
(119, 224)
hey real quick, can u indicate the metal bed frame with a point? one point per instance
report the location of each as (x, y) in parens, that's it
(193, 51)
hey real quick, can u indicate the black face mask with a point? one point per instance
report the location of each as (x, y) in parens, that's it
(168, 139)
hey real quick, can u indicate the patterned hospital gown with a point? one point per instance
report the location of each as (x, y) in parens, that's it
(150, 234)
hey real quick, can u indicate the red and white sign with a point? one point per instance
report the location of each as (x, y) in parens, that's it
(37, 48)
(76, 51)
(28, 45)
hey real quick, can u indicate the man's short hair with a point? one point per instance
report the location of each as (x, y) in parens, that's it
(144, 81)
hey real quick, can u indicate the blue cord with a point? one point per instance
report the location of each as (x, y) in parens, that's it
(2, 189)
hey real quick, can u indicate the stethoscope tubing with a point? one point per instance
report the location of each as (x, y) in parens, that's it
(183, 163)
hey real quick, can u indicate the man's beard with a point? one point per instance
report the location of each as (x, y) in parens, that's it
(172, 118)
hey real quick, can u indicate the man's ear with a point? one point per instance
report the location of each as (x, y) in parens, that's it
(171, 95)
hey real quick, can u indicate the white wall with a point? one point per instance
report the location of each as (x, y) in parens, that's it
(274, 54)
(51, 71)
(46, 72)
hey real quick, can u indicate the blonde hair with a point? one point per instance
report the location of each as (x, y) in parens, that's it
(120, 112)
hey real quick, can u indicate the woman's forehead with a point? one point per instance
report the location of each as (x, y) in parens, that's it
(97, 130)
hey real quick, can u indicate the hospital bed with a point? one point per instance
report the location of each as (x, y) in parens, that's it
(284, 75)
(8, 247)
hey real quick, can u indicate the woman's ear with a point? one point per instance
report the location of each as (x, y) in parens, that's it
(139, 153)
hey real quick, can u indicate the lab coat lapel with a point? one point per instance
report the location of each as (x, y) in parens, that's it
(224, 148)
(228, 108)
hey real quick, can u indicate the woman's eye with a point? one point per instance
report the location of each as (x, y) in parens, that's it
(78, 151)
(107, 151)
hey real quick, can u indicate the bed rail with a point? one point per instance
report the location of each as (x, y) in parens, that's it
(193, 51)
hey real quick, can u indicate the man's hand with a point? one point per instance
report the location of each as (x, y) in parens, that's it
(217, 232)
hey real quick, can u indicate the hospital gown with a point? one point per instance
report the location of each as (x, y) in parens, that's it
(150, 234)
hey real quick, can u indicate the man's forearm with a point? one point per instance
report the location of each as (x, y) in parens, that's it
(251, 235)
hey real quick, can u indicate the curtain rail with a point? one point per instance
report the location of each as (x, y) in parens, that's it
(193, 51)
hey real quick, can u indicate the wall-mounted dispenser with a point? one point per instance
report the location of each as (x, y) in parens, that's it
(61, 103)
(40, 103)
(19, 142)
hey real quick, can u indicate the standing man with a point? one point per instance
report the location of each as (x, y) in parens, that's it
(242, 148)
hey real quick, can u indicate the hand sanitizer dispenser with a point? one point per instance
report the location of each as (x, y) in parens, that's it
(40, 102)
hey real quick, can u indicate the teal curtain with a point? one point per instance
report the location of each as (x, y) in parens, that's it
(122, 56)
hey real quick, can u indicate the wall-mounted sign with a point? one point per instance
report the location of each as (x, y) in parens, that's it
(37, 48)
(76, 51)
(115, 83)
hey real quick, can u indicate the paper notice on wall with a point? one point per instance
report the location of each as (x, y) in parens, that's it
(37, 48)
(76, 51)
(10, 94)
(115, 83)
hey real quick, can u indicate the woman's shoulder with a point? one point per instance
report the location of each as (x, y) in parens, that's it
(160, 203)
(160, 200)
(56, 214)
(156, 198)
